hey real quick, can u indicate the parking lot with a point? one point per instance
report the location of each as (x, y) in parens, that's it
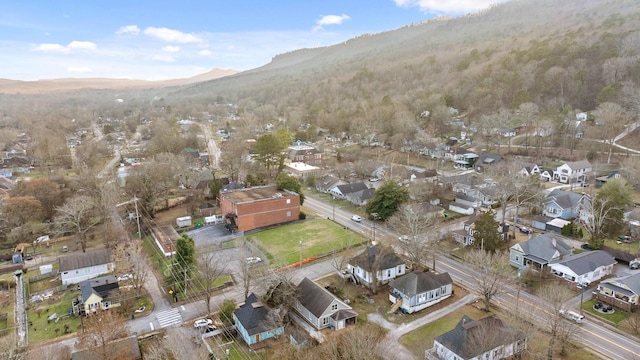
(211, 235)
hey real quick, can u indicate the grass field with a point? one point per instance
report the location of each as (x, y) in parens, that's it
(617, 317)
(319, 237)
(40, 329)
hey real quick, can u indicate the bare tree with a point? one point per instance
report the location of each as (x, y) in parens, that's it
(600, 211)
(526, 192)
(175, 345)
(490, 272)
(417, 227)
(133, 258)
(98, 333)
(611, 119)
(210, 268)
(247, 271)
(557, 326)
(79, 214)
(354, 343)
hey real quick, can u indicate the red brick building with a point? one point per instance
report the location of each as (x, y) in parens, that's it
(252, 208)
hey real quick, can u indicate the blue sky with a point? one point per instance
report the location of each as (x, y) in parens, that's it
(155, 40)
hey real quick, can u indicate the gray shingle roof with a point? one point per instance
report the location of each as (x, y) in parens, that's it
(101, 286)
(253, 315)
(582, 164)
(544, 246)
(383, 257)
(314, 297)
(588, 261)
(630, 281)
(418, 282)
(459, 340)
(352, 188)
(83, 260)
(565, 199)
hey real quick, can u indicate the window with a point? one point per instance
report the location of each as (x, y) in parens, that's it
(325, 320)
(388, 273)
(288, 201)
(288, 213)
(334, 307)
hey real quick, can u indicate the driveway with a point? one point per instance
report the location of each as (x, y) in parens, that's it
(391, 348)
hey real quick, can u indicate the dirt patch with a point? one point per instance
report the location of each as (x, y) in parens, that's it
(169, 216)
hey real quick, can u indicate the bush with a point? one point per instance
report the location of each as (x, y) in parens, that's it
(302, 215)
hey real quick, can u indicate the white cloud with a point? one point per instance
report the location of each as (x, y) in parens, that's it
(170, 35)
(205, 52)
(128, 30)
(56, 48)
(331, 20)
(79, 69)
(87, 45)
(165, 58)
(448, 6)
(171, 49)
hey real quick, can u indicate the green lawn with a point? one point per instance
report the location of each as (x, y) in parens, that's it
(318, 236)
(616, 317)
(40, 329)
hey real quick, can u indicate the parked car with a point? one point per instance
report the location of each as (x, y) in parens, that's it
(586, 246)
(124, 277)
(210, 328)
(526, 230)
(253, 260)
(28, 257)
(634, 264)
(202, 322)
(41, 239)
(572, 315)
(374, 179)
(404, 239)
(356, 218)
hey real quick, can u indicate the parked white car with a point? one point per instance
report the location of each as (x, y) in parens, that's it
(202, 322)
(253, 260)
(124, 277)
(356, 218)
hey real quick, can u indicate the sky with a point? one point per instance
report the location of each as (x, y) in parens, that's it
(159, 39)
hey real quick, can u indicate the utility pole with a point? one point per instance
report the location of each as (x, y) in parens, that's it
(135, 201)
(301, 253)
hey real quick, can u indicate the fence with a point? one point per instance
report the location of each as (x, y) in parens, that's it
(41, 277)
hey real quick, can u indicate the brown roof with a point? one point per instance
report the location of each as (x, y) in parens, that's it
(125, 349)
(84, 260)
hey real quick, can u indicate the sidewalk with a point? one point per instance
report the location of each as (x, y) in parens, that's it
(391, 348)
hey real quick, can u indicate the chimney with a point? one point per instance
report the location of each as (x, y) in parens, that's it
(464, 321)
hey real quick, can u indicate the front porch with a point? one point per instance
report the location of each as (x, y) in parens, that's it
(615, 296)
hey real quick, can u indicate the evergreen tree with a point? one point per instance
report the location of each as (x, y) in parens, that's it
(386, 200)
(486, 233)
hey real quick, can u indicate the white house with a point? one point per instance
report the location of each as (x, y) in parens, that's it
(573, 172)
(84, 266)
(381, 260)
(528, 169)
(584, 268)
(321, 308)
(499, 341)
(419, 290)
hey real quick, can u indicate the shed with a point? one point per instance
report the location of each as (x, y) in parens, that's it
(557, 224)
(183, 221)
(540, 222)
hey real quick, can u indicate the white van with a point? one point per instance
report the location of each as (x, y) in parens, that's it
(572, 315)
